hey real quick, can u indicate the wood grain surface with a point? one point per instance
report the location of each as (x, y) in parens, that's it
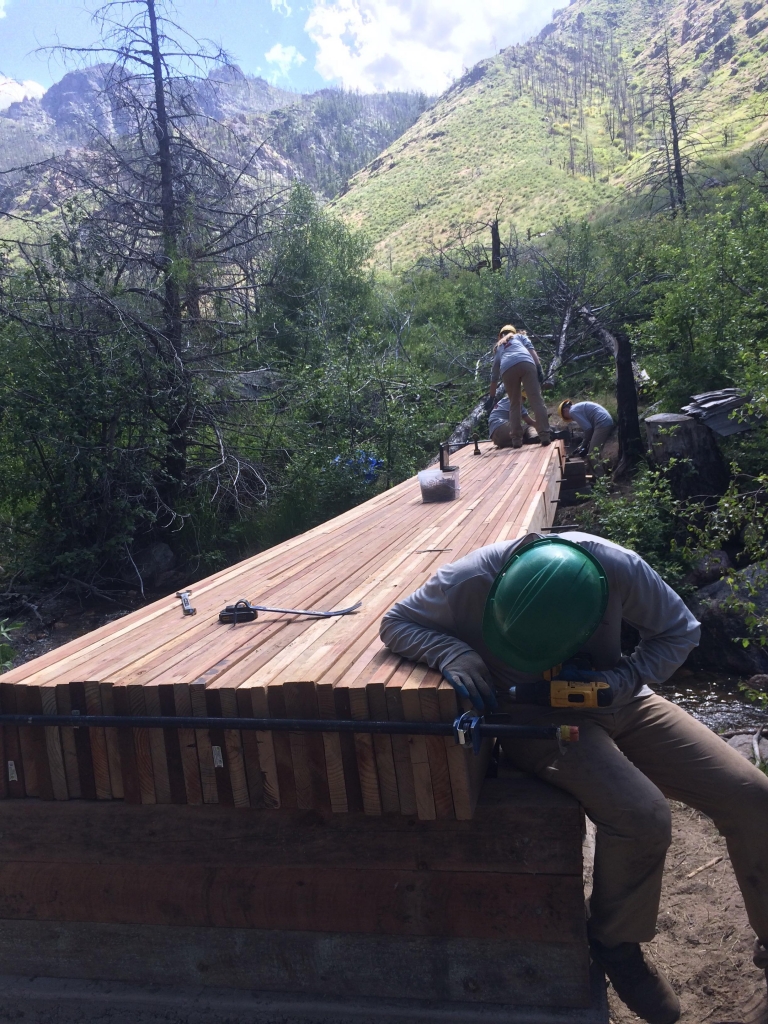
(159, 661)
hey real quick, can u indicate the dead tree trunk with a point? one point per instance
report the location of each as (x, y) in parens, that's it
(562, 346)
(466, 428)
(674, 126)
(495, 245)
(631, 448)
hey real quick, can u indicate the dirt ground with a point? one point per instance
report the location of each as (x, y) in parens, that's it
(704, 942)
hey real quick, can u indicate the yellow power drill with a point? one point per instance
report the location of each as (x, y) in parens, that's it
(553, 692)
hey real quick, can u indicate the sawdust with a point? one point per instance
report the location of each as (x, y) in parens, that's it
(704, 942)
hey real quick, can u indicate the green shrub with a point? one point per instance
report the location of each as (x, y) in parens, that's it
(647, 519)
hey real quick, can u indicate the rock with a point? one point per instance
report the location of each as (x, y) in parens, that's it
(82, 101)
(156, 559)
(742, 742)
(724, 626)
(759, 682)
(152, 563)
(708, 568)
(689, 452)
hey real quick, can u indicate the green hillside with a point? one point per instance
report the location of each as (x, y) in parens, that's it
(568, 121)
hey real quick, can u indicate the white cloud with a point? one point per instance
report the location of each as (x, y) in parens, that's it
(2, 8)
(283, 58)
(11, 91)
(374, 45)
(282, 7)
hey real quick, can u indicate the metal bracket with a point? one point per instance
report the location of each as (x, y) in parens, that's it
(466, 731)
(186, 606)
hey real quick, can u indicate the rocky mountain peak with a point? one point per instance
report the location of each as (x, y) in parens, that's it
(83, 100)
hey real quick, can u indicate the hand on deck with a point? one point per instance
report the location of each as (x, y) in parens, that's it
(469, 676)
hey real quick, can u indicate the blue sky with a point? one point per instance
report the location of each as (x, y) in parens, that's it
(369, 45)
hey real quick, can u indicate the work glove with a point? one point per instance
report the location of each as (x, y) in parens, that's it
(540, 373)
(469, 676)
(581, 450)
(489, 403)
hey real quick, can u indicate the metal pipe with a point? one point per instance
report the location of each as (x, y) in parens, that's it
(484, 728)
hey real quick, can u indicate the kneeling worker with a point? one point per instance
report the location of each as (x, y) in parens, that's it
(504, 615)
(499, 429)
(596, 422)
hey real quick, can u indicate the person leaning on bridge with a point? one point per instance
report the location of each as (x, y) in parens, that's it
(517, 365)
(505, 614)
(596, 422)
(499, 429)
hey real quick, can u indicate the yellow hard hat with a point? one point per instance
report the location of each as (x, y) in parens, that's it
(566, 401)
(507, 329)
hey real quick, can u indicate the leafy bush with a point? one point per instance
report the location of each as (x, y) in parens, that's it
(647, 519)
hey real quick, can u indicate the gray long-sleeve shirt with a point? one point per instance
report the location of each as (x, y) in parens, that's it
(515, 349)
(500, 414)
(590, 416)
(444, 619)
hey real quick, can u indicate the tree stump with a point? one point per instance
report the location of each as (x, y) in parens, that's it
(689, 451)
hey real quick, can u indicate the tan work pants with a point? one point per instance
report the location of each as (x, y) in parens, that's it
(524, 375)
(599, 436)
(502, 436)
(625, 765)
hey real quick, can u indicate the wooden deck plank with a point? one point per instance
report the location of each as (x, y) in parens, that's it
(417, 746)
(190, 763)
(113, 743)
(53, 747)
(438, 759)
(267, 758)
(401, 751)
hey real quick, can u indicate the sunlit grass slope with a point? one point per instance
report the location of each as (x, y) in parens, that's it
(567, 122)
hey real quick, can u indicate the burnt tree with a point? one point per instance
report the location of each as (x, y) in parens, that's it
(631, 448)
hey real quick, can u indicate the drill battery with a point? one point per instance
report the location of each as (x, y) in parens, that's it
(563, 693)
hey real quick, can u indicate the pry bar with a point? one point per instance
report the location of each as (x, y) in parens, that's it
(244, 611)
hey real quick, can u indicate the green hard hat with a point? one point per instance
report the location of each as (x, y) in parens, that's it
(545, 603)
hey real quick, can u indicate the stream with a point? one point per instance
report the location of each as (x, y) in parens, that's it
(713, 699)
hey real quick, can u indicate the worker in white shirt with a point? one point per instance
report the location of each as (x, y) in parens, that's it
(596, 422)
(507, 613)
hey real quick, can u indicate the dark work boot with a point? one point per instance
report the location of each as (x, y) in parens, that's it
(638, 982)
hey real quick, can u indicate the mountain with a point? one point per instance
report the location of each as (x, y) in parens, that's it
(567, 122)
(321, 138)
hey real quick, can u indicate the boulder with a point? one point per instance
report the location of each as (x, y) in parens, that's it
(689, 452)
(708, 568)
(759, 682)
(153, 564)
(724, 626)
(743, 742)
(154, 560)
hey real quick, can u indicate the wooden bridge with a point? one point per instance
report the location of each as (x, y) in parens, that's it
(160, 661)
(338, 866)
